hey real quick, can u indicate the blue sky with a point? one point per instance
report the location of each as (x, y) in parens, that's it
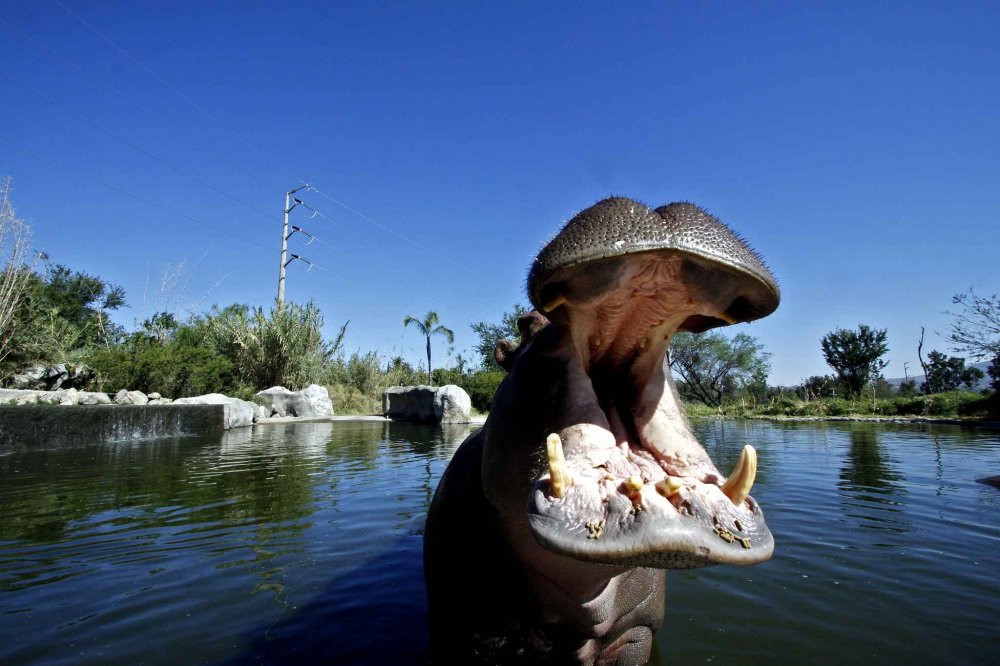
(855, 145)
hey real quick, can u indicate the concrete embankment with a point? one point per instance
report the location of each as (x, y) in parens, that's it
(35, 426)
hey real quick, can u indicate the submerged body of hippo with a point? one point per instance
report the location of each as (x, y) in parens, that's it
(551, 530)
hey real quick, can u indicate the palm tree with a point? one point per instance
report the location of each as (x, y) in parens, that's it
(427, 329)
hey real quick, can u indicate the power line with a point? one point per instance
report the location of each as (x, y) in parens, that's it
(159, 78)
(201, 110)
(119, 190)
(399, 235)
(216, 120)
(131, 102)
(133, 146)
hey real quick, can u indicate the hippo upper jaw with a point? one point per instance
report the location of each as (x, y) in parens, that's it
(636, 487)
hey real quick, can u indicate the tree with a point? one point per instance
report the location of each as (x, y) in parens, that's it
(994, 372)
(63, 314)
(855, 355)
(907, 388)
(948, 373)
(15, 237)
(427, 328)
(976, 327)
(491, 334)
(713, 367)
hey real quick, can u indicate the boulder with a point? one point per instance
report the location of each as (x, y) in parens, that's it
(69, 397)
(311, 402)
(427, 404)
(53, 377)
(137, 398)
(94, 398)
(121, 398)
(154, 396)
(237, 413)
(453, 404)
(31, 378)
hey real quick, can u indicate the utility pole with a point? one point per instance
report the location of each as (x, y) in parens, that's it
(284, 243)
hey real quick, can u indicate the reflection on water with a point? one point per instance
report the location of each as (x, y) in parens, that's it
(302, 542)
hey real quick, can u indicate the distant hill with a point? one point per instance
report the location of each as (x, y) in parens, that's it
(984, 383)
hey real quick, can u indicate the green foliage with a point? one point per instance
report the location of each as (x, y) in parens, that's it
(282, 348)
(61, 315)
(946, 373)
(713, 368)
(953, 404)
(490, 334)
(357, 383)
(481, 385)
(994, 372)
(855, 355)
(907, 388)
(173, 369)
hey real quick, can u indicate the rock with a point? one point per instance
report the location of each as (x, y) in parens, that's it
(452, 404)
(53, 377)
(237, 413)
(154, 396)
(137, 398)
(262, 413)
(31, 378)
(409, 403)
(427, 404)
(311, 402)
(95, 398)
(319, 400)
(69, 397)
(121, 398)
(30, 399)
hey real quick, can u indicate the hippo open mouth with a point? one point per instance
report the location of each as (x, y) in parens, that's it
(624, 481)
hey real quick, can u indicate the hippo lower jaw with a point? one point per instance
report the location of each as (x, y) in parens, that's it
(641, 490)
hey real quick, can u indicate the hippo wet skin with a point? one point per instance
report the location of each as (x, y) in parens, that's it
(549, 535)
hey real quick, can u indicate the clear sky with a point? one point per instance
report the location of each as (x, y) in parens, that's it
(856, 146)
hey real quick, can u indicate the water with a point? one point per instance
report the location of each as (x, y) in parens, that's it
(301, 543)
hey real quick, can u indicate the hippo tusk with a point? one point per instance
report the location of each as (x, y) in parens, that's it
(553, 303)
(726, 318)
(557, 466)
(738, 485)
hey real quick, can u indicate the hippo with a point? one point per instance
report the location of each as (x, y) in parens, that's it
(550, 533)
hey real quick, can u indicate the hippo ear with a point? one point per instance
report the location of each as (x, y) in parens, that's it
(505, 353)
(530, 324)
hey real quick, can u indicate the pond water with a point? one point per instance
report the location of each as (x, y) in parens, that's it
(301, 543)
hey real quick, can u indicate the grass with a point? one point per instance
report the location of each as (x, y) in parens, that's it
(952, 405)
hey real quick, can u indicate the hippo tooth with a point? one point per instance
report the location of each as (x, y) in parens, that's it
(738, 485)
(553, 303)
(557, 466)
(669, 486)
(633, 485)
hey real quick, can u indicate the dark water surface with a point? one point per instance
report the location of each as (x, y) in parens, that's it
(301, 543)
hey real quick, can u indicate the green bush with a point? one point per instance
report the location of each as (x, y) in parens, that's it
(482, 387)
(173, 370)
(282, 348)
